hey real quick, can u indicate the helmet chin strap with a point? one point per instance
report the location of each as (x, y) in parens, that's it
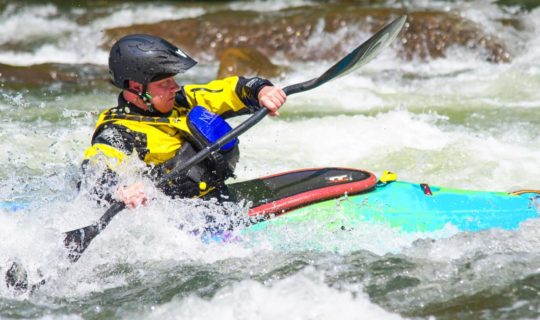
(145, 97)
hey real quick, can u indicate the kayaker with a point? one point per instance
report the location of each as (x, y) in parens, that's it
(163, 123)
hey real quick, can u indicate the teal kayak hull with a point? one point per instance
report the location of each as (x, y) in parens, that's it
(412, 207)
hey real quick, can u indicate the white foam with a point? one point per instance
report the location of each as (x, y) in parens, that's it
(28, 239)
(420, 146)
(33, 22)
(471, 262)
(325, 233)
(265, 6)
(391, 114)
(301, 296)
(127, 15)
(69, 42)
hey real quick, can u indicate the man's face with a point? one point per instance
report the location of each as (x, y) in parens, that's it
(163, 94)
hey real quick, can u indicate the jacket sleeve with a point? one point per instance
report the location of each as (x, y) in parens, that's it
(113, 143)
(227, 97)
(110, 146)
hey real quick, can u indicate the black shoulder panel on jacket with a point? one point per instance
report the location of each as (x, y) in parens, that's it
(248, 89)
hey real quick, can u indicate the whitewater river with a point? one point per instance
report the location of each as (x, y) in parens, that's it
(457, 121)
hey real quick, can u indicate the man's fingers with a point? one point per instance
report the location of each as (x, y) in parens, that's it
(133, 196)
(282, 95)
(272, 103)
(272, 98)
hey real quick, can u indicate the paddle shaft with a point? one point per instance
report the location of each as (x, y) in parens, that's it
(78, 240)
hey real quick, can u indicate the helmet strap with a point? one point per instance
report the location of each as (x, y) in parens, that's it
(145, 97)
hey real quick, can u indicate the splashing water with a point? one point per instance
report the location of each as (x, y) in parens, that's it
(457, 121)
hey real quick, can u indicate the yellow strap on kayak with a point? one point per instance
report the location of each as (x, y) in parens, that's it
(388, 176)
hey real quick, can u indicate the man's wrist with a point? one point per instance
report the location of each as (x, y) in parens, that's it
(249, 91)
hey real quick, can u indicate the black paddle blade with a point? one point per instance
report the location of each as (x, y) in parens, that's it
(76, 241)
(16, 278)
(355, 59)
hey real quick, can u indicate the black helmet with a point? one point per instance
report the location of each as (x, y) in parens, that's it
(145, 58)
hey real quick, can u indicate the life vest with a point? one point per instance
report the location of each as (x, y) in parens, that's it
(156, 139)
(164, 142)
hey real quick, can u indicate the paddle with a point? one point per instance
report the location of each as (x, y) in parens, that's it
(78, 240)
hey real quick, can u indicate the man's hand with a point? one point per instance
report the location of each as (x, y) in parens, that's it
(133, 196)
(272, 98)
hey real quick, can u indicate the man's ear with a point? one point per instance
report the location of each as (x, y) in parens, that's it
(135, 85)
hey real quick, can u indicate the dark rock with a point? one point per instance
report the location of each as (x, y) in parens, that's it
(429, 34)
(246, 61)
(320, 32)
(43, 74)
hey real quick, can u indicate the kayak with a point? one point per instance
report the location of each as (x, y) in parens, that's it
(357, 196)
